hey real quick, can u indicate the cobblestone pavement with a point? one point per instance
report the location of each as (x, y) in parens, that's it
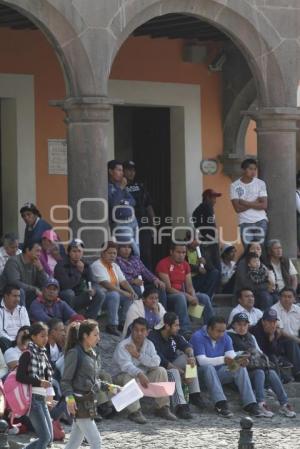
(204, 431)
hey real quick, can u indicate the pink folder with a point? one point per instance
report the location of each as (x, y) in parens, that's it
(158, 389)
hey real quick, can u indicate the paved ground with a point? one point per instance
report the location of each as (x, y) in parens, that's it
(205, 431)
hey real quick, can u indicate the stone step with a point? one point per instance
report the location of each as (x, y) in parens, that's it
(293, 389)
(223, 311)
(220, 299)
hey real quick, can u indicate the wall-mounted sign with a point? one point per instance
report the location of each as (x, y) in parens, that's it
(57, 157)
(209, 166)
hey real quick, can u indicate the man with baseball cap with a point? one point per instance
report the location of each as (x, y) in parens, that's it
(205, 222)
(48, 305)
(259, 367)
(78, 287)
(279, 349)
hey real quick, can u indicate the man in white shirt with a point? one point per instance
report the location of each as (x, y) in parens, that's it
(12, 316)
(10, 248)
(289, 314)
(246, 305)
(249, 199)
(136, 358)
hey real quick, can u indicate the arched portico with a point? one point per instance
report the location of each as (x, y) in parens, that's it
(276, 114)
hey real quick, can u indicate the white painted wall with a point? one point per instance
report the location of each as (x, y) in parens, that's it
(186, 150)
(17, 147)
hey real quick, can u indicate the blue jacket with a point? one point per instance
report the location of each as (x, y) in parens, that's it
(35, 235)
(39, 311)
(120, 197)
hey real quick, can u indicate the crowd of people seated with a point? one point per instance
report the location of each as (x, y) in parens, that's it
(52, 298)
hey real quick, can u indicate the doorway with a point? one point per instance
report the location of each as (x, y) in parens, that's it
(142, 134)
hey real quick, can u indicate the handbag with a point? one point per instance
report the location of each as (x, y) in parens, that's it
(258, 360)
(86, 405)
(58, 431)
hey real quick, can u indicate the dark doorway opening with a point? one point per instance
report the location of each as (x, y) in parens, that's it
(142, 134)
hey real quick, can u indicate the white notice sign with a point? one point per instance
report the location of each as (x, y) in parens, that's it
(57, 157)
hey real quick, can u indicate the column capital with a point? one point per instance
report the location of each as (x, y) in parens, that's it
(275, 119)
(85, 109)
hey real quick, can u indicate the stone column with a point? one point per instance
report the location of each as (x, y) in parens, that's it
(87, 122)
(276, 139)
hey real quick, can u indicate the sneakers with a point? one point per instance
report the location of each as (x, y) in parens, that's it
(196, 399)
(222, 409)
(286, 410)
(183, 412)
(265, 411)
(253, 410)
(165, 413)
(137, 417)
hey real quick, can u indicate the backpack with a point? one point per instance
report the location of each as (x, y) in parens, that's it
(2, 400)
(17, 395)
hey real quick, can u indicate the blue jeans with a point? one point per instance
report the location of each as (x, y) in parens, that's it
(258, 378)
(78, 302)
(252, 233)
(264, 299)
(177, 302)
(84, 428)
(207, 283)
(117, 306)
(214, 379)
(41, 421)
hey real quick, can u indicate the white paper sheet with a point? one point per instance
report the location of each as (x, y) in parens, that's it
(130, 392)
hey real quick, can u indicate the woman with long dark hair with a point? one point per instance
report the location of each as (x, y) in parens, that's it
(35, 369)
(80, 382)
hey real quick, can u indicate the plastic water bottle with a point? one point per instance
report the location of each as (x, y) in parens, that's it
(186, 392)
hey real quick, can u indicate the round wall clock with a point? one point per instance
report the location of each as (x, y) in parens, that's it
(209, 166)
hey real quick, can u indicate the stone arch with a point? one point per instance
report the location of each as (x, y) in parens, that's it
(243, 23)
(235, 129)
(63, 39)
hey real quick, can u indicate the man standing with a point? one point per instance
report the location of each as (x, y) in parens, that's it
(249, 199)
(215, 355)
(246, 305)
(136, 358)
(143, 211)
(175, 272)
(121, 205)
(205, 222)
(175, 354)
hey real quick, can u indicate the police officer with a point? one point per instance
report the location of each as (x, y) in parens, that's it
(143, 211)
